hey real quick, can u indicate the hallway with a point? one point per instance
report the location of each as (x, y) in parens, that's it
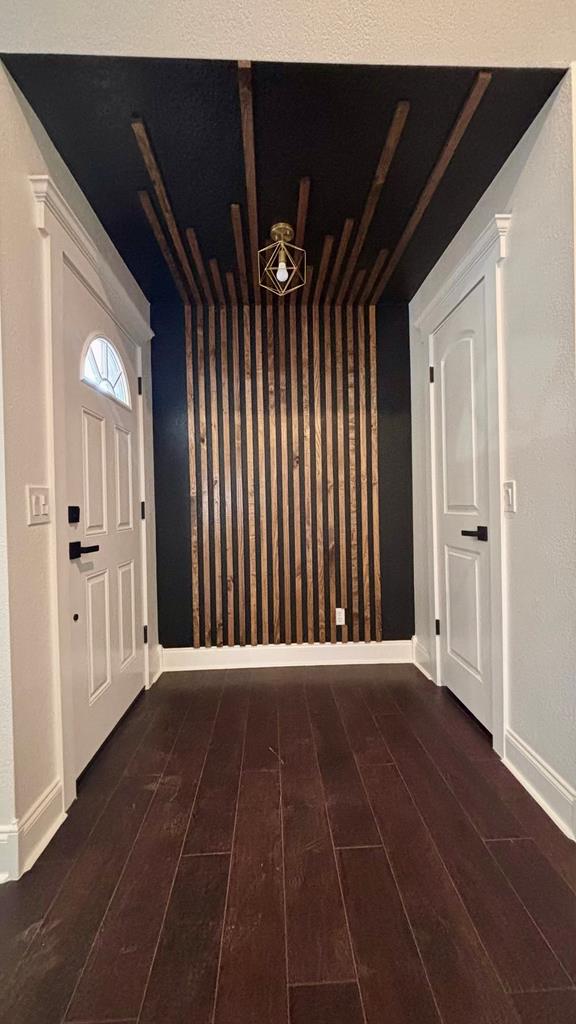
(347, 830)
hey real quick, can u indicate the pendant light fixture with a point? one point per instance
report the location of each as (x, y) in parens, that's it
(282, 266)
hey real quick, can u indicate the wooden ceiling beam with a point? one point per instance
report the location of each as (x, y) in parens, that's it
(240, 251)
(454, 139)
(231, 285)
(163, 245)
(384, 163)
(155, 175)
(341, 251)
(301, 216)
(199, 264)
(247, 118)
(353, 293)
(325, 259)
(373, 276)
(307, 286)
(217, 279)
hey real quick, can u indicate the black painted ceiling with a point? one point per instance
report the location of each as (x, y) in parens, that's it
(325, 121)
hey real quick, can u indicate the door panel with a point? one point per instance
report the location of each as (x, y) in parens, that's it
(459, 352)
(105, 586)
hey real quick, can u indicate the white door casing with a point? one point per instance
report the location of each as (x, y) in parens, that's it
(465, 483)
(69, 250)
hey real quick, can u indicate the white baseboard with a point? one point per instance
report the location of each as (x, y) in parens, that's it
(385, 652)
(421, 657)
(23, 840)
(552, 792)
(155, 664)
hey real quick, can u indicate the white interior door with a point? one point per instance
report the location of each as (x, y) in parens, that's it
(462, 503)
(104, 599)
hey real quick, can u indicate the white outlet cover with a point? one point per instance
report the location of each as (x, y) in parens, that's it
(509, 496)
(37, 505)
(340, 616)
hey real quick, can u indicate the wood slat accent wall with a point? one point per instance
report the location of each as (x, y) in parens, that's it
(284, 472)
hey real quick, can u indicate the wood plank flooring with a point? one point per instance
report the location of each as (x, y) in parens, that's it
(297, 846)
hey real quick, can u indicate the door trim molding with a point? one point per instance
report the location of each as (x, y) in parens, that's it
(482, 262)
(66, 243)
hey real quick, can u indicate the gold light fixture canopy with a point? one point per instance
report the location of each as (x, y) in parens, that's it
(281, 265)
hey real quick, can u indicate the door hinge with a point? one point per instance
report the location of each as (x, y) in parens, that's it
(139, 385)
(437, 627)
(145, 634)
(431, 374)
(143, 510)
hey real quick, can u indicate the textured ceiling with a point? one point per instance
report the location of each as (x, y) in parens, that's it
(325, 121)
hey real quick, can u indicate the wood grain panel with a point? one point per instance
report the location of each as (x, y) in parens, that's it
(316, 438)
(330, 492)
(248, 385)
(192, 470)
(231, 539)
(341, 377)
(351, 383)
(365, 547)
(374, 470)
(238, 461)
(306, 440)
(215, 476)
(206, 490)
(295, 384)
(286, 517)
(247, 118)
(263, 517)
(273, 471)
(163, 245)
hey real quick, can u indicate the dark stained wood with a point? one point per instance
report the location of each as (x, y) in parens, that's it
(155, 175)
(317, 441)
(275, 537)
(182, 987)
(363, 735)
(365, 561)
(353, 294)
(353, 616)
(226, 472)
(212, 823)
(284, 472)
(199, 264)
(251, 490)
(40, 988)
(306, 442)
(349, 812)
(384, 163)
(114, 979)
(323, 269)
(466, 114)
(247, 118)
(295, 385)
(302, 212)
(392, 980)
(326, 1004)
(546, 1007)
(327, 345)
(261, 355)
(215, 480)
(297, 750)
(340, 253)
(261, 749)
(462, 977)
(373, 371)
(370, 282)
(549, 901)
(341, 380)
(252, 984)
(196, 639)
(205, 488)
(520, 954)
(238, 430)
(236, 216)
(163, 245)
(217, 279)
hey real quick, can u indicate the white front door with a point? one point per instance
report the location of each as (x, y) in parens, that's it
(104, 599)
(462, 503)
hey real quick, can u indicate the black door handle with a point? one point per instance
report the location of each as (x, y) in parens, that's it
(75, 549)
(481, 533)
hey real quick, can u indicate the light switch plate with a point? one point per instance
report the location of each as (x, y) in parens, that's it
(37, 505)
(340, 616)
(509, 495)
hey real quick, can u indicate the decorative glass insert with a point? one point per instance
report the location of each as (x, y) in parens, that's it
(103, 370)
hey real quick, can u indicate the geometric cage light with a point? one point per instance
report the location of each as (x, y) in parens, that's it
(281, 265)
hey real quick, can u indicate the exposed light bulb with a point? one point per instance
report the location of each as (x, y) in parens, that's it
(282, 272)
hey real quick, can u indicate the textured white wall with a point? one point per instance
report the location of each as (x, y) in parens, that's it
(537, 187)
(517, 32)
(26, 150)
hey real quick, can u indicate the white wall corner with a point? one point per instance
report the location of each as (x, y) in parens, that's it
(155, 667)
(23, 840)
(384, 652)
(556, 796)
(421, 657)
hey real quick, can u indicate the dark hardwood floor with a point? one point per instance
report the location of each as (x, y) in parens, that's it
(318, 846)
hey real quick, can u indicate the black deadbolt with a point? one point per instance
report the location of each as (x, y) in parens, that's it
(73, 513)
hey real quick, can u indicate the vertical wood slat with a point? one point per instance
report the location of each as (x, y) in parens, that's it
(192, 470)
(307, 462)
(226, 470)
(295, 469)
(341, 461)
(205, 485)
(253, 571)
(273, 472)
(317, 427)
(263, 521)
(286, 517)
(215, 482)
(352, 449)
(374, 470)
(364, 470)
(238, 419)
(330, 493)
